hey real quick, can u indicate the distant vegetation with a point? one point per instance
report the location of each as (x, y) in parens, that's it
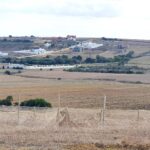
(109, 69)
(64, 59)
(7, 101)
(8, 72)
(16, 40)
(38, 102)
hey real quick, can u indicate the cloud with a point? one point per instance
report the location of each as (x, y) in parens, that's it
(88, 8)
(79, 8)
(135, 9)
(110, 18)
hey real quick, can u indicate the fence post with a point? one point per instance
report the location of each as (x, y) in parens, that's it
(34, 109)
(104, 109)
(58, 119)
(138, 115)
(58, 111)
(18, 108)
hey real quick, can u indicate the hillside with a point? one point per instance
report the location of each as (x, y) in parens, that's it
(56, 46)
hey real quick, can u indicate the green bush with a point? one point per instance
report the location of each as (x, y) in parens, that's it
(39, 102)
(7, 101)
(7, 72)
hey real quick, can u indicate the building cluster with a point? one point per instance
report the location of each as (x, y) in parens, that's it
(86, 45)
(71, 37)
(61, 42)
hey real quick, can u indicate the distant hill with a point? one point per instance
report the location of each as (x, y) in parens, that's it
(61, 45)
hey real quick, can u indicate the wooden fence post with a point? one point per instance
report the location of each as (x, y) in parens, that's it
(34, 109)
(104, 109)
(138, 115)
(18, 108)
(58, 119)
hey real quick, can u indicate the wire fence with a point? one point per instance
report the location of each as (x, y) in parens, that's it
(57, 128)
(95, 121)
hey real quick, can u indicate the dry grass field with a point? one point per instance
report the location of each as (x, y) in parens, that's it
(141, 61)
(81, 126)
(76, 129)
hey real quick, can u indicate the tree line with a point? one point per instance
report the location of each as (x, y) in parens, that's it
(64, 59)
(109, 69)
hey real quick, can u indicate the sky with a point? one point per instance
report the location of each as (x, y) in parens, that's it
(84, 18)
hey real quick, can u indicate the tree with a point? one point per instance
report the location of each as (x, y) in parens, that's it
(59, 60)
(9, 98)
(100, 59)
(8, 60)
(90, 60)
(76, 59)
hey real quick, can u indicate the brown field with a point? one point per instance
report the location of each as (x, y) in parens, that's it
(144, 78)
(83, 94)
(79, 90)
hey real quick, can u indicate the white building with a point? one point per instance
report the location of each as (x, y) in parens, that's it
(38, 51)
(49, 67)
(3, 54)
(47, 45)
(90, 45)
(71, 37)
(16, 66)
(33, 51)
(38, 67)
(85, 45)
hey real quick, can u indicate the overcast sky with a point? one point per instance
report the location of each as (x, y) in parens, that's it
(84, 18)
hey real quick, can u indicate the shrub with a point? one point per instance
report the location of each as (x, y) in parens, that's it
(39, 102)
(18, 68)
(19, 71)
(7, 101)
(7, 72)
